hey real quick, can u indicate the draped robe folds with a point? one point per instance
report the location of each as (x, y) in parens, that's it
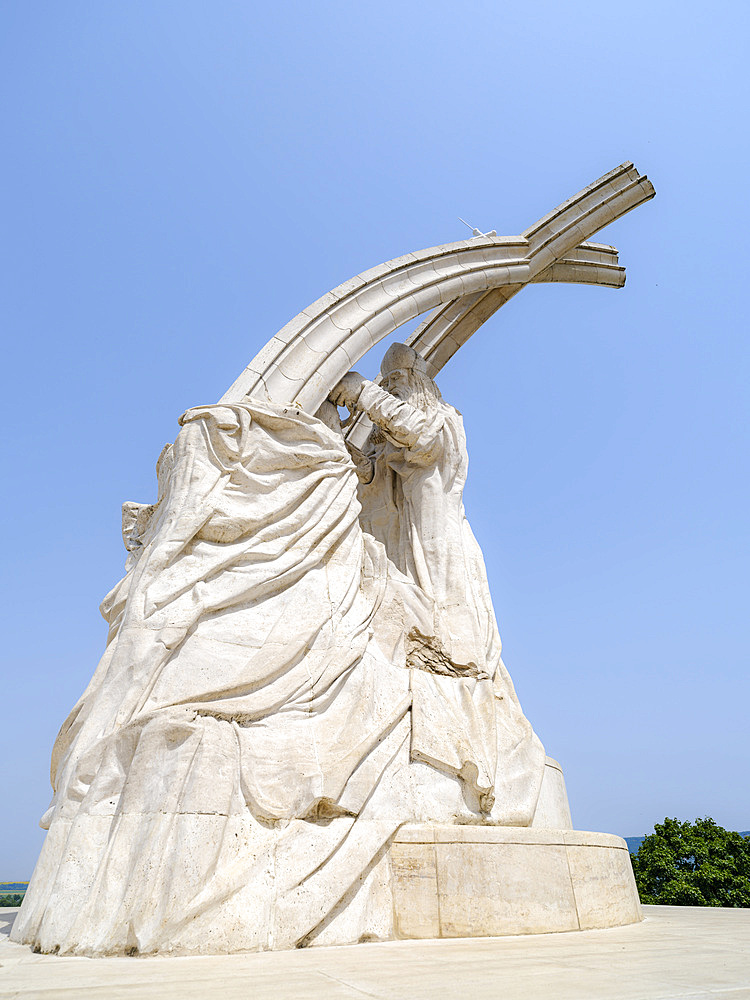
(233, 774)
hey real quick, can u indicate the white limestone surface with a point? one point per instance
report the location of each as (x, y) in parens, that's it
(463, 282)
(303, 654)
(472, 881)
(675, 953)
(552, 809)
(282, 689)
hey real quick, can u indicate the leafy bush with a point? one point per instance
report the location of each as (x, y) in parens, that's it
(693, 864)
(11, 899)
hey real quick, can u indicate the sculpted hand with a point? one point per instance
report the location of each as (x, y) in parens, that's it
(346, 393)
(363, 465)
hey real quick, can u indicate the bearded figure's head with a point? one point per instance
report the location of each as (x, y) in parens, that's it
(404, 375)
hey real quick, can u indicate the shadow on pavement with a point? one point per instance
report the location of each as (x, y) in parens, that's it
(7, 916)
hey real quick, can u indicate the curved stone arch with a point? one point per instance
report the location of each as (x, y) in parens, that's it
(465, 282)
(310, 354)
(446, 330)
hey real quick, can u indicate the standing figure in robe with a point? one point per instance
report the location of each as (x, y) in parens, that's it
(412, 474)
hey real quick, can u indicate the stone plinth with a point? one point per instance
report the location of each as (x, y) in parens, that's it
(552, 809)
(478, 881)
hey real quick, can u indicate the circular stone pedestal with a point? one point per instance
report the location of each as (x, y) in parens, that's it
(477, 881)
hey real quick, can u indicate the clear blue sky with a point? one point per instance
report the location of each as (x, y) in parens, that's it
(180, 178)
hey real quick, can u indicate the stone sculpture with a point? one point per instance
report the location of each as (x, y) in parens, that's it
(301, 730)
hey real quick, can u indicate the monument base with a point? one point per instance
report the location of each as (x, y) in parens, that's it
(481, 881)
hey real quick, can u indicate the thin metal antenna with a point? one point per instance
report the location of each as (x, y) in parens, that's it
(478, 232)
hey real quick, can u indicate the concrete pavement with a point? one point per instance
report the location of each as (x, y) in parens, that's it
(676, 952)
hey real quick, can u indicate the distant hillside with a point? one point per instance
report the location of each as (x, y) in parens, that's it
(634, 843)
(5, 886)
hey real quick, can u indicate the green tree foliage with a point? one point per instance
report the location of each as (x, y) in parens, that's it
(693, 864)
(11, 899)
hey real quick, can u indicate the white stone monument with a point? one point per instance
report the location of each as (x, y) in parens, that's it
(301, 731)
